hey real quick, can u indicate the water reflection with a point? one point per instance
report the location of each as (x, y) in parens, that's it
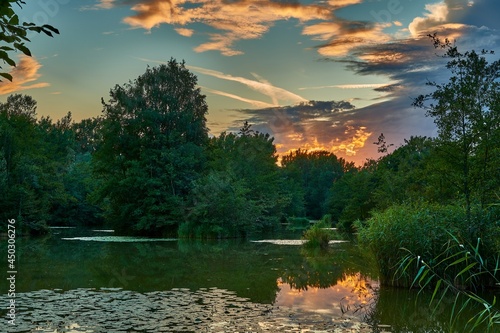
(290, 280)
(332, 281)
(353, 295)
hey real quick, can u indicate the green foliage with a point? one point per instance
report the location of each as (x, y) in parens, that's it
(423, 229)
(351, 198)
(221, 208)
(455, 270)
(465, 110)
(42, 176)
(319, 235)
(298, 223)
(242, 192)
(314, 173)
(152, 149)
(14, 34)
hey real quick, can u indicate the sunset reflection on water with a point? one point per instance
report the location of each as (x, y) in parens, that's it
(350, 295)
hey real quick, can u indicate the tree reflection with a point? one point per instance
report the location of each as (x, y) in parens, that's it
(324, 268)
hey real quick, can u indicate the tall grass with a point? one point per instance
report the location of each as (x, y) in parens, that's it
(425, 230)
(441, 249)
(459, 270)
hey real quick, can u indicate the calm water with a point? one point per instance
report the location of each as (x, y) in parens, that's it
(70, 283)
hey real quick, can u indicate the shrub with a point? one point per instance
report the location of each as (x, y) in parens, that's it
(318, 235)
(424, 230)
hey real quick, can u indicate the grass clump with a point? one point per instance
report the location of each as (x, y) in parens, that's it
(320, 234)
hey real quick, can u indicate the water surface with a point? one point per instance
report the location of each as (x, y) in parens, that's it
(81, 280)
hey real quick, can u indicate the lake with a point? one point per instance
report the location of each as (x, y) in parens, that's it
(82, 280)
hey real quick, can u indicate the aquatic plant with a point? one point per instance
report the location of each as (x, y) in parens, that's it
(424, 229)
(319, 235)
(458, 270)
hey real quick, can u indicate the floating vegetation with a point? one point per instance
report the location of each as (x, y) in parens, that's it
(120, 239)
(103, 230)
(292, 241)
(176, 310)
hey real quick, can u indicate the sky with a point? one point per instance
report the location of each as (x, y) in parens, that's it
(315, 74)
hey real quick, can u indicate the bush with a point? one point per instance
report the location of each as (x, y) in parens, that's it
(424, 230)
(318, 235)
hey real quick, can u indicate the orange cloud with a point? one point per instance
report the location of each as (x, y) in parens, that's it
(344, 37)
(233, 21)
(25, 72)
(185, 32)
(348, 144)
(102, 4)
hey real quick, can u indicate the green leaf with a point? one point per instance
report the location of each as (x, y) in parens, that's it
(436, 288)
(7, 76)
(418, 275)
(14, 20)
(5, 57)
(466, 269)
(23, 49)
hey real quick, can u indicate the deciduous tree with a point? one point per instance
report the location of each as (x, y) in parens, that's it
(466, 110)
(152, 150)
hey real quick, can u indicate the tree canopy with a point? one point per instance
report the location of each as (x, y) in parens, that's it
(466, 110)
(152, 149)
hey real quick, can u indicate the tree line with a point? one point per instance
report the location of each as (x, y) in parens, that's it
(148, 166)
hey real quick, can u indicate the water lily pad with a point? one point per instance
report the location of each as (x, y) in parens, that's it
(119, 239)
(292, 241)
(111, 310)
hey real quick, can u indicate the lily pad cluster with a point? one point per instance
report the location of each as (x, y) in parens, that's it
(177, 310)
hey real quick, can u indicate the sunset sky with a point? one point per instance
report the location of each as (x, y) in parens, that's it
(329, 74)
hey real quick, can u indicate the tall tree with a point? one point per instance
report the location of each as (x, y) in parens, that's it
(466, 110)
(153, 134)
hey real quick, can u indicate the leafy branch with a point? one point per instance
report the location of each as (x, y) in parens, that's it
(14, 34)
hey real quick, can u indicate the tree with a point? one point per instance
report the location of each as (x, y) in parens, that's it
(316, 172)
(152, 150)
(242, 191)
(14, 33)
(466, 110)
(35, 155)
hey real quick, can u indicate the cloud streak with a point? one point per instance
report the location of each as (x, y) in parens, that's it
(256, 103)
(23, 75)
(261, 85)
(349, 86)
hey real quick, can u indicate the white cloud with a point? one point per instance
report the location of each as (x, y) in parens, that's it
(256, 103)
(436, 14)
(275, 93)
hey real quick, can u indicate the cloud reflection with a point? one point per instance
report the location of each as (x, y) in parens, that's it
(351, 292)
